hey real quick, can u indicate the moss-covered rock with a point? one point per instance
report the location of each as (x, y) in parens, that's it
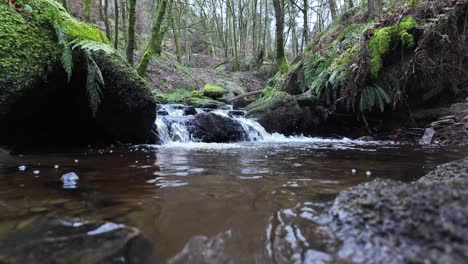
(45, 91)
(213, 91)
(276, 111)
(190, 98)
(386, 221)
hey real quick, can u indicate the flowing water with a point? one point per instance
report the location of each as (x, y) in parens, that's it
(257, 201)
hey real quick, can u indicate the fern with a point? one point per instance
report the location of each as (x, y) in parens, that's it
(67, 57)
(371, 97)
(93, 46)
(94, 85)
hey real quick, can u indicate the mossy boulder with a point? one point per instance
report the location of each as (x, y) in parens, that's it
(190, 98)
(386, 221)
(44, 85)
(276, 111)
(213, 91)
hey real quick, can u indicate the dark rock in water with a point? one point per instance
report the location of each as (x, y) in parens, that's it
(162, 113)
(366, 138)
(210, 106)
(58, 241)
(208, 110)
(209, 127)
(428, 136)
(386, 221)
(178, 106)
(236, 113)
(190, 111)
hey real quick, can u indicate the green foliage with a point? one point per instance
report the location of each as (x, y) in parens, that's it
(49, 33)
(213, 91)
(28, 50)
(372, 97)
(325, 73)
(380, 42)
(184, 96)
(94, 84)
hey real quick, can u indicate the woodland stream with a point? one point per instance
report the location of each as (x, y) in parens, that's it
(207, 202)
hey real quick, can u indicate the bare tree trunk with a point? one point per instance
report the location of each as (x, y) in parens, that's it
(175, 31)
(123, 7)
(105, 17)
(131, 30)
(116, 24)
(281, 60)
(332, 6)
(305, 34)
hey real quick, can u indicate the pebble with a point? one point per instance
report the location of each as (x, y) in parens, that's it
(22, 168)
(36, 172)
(353, 171)
(56, 167)
(76, 161)
(368, 173)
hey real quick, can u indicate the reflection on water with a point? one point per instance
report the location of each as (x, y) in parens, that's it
(198, 203)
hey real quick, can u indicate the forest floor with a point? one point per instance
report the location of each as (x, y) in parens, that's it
(167, 75)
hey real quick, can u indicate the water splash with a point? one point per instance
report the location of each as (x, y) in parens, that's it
(173, 129)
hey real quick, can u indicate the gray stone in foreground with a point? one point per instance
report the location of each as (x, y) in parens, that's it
(392, 222)
(56, 241)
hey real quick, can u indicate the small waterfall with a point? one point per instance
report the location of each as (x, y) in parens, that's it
(172, 123)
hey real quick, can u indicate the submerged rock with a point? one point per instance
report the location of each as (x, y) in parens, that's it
(59, 241)
(209, 127)
(385, 221)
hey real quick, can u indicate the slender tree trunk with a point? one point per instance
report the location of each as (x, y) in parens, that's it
(65, 5)
(131, 30)
(123, 7)
(332, 6)
(175, 31)
(350, 4)
(116, 24)
(154, 43)
(305, 34)
(87, 10)
(105, 17)
(281, 60)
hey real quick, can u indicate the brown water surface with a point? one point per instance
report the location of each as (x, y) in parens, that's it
(207, 203)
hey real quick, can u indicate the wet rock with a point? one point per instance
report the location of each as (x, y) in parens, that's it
(366, 138)
(210, 106)
(190, 111)
(385, 221)
(57, 241)
(209, 127)
(443, 122)
(427, 137)
(162, 113)
(241, 103)
(236, 113)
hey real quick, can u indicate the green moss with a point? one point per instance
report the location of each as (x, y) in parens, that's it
(183, 96)
(213, 91)
(271, 98)
(380, 42)
(28, 48)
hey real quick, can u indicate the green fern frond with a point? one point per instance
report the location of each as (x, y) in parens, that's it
(91, 46)
(67, 55)
(94, 83)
